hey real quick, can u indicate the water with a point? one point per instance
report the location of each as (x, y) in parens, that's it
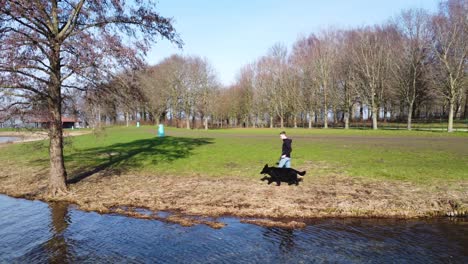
(8, 139)
(36, 232)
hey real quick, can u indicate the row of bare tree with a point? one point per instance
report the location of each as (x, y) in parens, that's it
(179, 88)
(415, 63)
(417, 60)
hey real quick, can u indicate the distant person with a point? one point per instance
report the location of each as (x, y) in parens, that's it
(285, 160)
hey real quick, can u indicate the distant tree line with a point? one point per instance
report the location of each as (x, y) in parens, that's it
(414, 66)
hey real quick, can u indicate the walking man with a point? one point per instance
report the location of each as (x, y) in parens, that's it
(285, 161)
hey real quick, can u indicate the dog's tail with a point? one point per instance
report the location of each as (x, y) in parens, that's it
(302, 173)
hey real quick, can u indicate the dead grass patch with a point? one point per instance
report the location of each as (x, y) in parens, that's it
(271, 223)
(198, 199)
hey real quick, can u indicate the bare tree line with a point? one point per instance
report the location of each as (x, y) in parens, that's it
(414, 64)
(179, 90)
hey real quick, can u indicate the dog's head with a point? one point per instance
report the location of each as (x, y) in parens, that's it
(265, 169)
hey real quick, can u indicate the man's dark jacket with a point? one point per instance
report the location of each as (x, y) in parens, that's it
(286, 150)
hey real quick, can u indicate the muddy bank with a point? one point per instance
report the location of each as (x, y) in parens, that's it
(325, 196)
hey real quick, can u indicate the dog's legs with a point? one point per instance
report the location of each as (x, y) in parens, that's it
(278, 183)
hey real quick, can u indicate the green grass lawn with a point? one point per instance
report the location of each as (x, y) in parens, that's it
(416, 156)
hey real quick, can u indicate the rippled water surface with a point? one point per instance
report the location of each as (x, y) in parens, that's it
(37, 232)
(8, 139)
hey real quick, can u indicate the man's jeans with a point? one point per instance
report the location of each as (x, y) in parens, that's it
(284, 163)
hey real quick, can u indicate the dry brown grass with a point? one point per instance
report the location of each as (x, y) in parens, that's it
(333, 195)
(272, 223)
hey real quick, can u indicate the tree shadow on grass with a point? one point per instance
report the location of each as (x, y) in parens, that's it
(122, 157)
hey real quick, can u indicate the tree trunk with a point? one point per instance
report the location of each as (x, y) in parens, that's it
(385, 113)
(374, 117)
(335, 120)
(99, 117)
(126, 118)
(271, 121)
(346, 120)
(206, 123)
(410, 115)
(310, 119)
(465, 113)
(295, 121)
(361, 112)
(58, 175)
(156, 118)
(187, 120)
(450, 118)
(282, 121)
(325, 119)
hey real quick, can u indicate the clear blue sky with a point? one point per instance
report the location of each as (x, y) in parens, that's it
(230, 34)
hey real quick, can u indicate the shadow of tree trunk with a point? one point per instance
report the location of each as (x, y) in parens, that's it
(121, 157)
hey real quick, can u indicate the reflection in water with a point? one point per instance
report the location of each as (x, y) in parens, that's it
(57, 247)
(35, 232)
(8, 139)
(284, 237)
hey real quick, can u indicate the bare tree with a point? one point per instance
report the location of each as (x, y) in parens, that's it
(205, 84)
(265, 87)
(370, 54)
(324, 56)
(302, 60)
(345, 75)
(48, 46)
(409, 57)
(292, 83)
(277, 79)
(154, 84)
(450, 38)
(245, 84)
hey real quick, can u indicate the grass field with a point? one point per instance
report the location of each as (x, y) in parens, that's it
(349, 172)
(420, 157)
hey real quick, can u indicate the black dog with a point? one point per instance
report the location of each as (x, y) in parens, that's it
(279, 175)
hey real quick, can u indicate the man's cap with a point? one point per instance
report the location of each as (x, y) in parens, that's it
(283, 133)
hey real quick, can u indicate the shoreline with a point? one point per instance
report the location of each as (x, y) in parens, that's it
(192, 200)
(26, 136)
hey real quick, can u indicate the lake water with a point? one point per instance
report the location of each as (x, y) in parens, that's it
(8, 139)
(37, 232)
